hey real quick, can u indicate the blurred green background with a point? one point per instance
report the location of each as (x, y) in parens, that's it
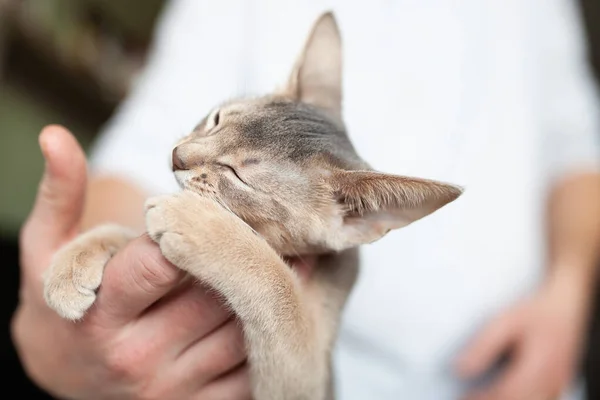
(61, 61)
(64, 62)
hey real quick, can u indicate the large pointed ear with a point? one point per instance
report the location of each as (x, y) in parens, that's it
(375, 203)
(317, 75)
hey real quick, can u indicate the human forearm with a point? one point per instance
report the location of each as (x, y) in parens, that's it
(574, 228)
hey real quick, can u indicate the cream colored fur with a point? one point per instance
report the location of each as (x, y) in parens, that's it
(243, 208)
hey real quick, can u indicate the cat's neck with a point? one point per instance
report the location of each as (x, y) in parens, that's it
(303, 265)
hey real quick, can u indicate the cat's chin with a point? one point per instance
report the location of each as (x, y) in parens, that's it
(183, 178)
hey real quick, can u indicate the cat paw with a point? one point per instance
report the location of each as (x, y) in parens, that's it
(172, 221)
(160, 216)
(73, 278)
(76, 271)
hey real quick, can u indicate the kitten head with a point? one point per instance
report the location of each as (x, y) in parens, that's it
(284, 163)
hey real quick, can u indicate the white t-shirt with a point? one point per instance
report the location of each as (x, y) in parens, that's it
(494, 95)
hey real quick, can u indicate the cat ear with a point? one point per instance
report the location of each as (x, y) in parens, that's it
(317, 75)
(375, 203)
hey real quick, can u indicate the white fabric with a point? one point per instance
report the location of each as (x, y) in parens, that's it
(494, 95)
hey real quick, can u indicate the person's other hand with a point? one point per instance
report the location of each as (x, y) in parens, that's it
(148, 336)
(543, 335)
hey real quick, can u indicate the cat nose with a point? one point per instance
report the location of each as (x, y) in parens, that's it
(177, 163)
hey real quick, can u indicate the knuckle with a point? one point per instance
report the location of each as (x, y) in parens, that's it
(127, 364)
(135, 367)
(120, 367)
(155, 273)
(152, 271)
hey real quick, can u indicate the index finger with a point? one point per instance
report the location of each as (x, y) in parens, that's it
(134, 279)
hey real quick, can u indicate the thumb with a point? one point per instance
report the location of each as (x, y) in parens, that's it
(61, 194)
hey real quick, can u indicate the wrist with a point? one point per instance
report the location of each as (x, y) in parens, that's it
(572, 285)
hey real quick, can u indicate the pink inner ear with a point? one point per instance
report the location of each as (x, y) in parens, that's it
(376, 203)
(367, 192)
(368, 228)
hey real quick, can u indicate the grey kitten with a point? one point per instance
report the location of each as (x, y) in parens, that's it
(264, 179)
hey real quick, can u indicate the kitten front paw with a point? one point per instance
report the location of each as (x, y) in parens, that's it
(161, 216)
(72, 280)
(171, 222)
(75, 274)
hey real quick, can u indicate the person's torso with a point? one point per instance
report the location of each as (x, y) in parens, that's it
(439, 90)
(445, 90)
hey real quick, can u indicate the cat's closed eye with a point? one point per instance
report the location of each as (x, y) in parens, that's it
(213, 121)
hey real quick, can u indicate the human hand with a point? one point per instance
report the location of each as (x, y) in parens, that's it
(544, 335)
(148, 335)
